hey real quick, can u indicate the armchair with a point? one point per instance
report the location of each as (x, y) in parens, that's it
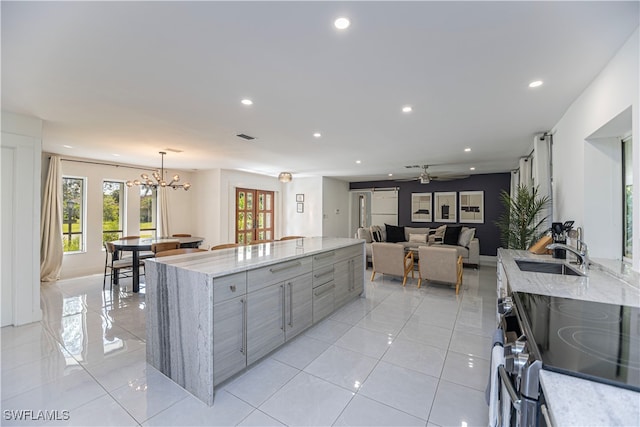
(390, 258)
(440, 264)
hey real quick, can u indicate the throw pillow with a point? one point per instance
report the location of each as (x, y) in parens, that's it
(418, 238)
(451, 235)
(466, 235)
(376, 233)
(439, 234)
(395, 234)
(364, 233)
(414, 230)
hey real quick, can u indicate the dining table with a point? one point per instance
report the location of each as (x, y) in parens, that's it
(135, 246)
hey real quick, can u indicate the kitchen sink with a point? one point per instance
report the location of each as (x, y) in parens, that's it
(547, 267)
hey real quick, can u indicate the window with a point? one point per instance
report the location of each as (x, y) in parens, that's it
(112, 209)
(73, 198)
(254, 215)
(148, 204)
(627, 184)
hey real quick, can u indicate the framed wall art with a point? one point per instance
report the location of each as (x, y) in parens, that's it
(421, 210)
(444, 207)
(299, 197)
(300, 208)
(472, 206)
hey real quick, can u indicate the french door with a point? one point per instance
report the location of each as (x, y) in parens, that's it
(254, 215)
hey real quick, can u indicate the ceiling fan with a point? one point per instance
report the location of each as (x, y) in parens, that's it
(425, 177)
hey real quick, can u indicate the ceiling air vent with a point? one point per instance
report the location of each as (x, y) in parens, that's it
(243, 136)
(173, 150)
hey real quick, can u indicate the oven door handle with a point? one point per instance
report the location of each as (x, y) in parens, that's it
(504, 377)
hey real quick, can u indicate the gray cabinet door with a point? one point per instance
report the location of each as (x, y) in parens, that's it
(357, 267)
(229, 346)
(342, 280)
(265, 321)
(299, 305)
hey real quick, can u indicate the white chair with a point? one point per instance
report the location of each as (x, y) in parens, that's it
(390, 258)
(440, 264)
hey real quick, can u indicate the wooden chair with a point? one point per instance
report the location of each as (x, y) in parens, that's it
(291, 238)
(390, 258)
(225, 246)
(164, 246)
(440, 264)
(181, 235)
(179, 251)
(122, 267)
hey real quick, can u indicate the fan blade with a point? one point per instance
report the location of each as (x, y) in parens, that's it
(448, 177)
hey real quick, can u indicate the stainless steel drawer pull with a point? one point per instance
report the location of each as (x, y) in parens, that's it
(504, 378)
(324, 255)
(285, 267)
(233, 288)
(324, 291)
(290, 304)
(244, 325)
(319, 275)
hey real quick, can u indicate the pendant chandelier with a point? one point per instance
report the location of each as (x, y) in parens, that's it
(159, 179)
(285, 177)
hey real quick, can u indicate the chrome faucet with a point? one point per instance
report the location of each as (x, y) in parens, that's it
(582, 254)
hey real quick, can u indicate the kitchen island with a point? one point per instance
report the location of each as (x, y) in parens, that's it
(572, 400)
(210, 315)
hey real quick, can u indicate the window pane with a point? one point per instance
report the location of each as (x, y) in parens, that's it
(627, 168)
(241, 200)
(73, 213)
(249, 201)
(261, 220)
(268, 208)
(268, 221)
(112, 212)
(240, 220)
(261, 202)
(249, 220)
(148, 209)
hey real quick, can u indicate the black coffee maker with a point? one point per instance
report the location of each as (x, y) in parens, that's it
(559, 232)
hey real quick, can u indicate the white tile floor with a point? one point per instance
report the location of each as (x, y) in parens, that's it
(399, 357)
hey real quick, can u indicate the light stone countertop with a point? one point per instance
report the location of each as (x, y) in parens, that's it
(228, 261)
(600, 285)
(575, 401)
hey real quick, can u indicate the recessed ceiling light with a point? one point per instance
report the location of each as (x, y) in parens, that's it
(67, 146)
(390, 174)
(407, 109)
(116, 154)
(467, 150)
(358, 162)
(535, 83)
(317, 135)
(342, 23)
(472, 168)
(247, 102)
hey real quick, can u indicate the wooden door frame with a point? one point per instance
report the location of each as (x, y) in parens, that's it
(269, 231)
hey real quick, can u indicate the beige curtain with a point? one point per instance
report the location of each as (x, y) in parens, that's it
(51, 246)
(163, 225)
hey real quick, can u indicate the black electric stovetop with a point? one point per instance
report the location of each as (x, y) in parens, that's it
(593, 340)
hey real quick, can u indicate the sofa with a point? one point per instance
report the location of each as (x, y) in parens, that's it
(414, 237)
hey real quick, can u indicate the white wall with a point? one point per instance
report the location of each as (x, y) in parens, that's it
(309, 222)
(92, 260)
(215, 202)
(21, 147)
(335, 208)
(575, 170)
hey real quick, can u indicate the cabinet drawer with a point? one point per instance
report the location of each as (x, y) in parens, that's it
(323, 259)
(265, 276)
(227, 287)
(349, 252)
(322, 275)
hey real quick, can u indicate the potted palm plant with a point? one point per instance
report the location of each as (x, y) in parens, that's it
(522, 218)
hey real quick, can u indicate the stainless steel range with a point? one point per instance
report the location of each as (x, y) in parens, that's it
(595, 341)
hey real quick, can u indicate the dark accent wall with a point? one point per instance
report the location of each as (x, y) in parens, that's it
(491, 184)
